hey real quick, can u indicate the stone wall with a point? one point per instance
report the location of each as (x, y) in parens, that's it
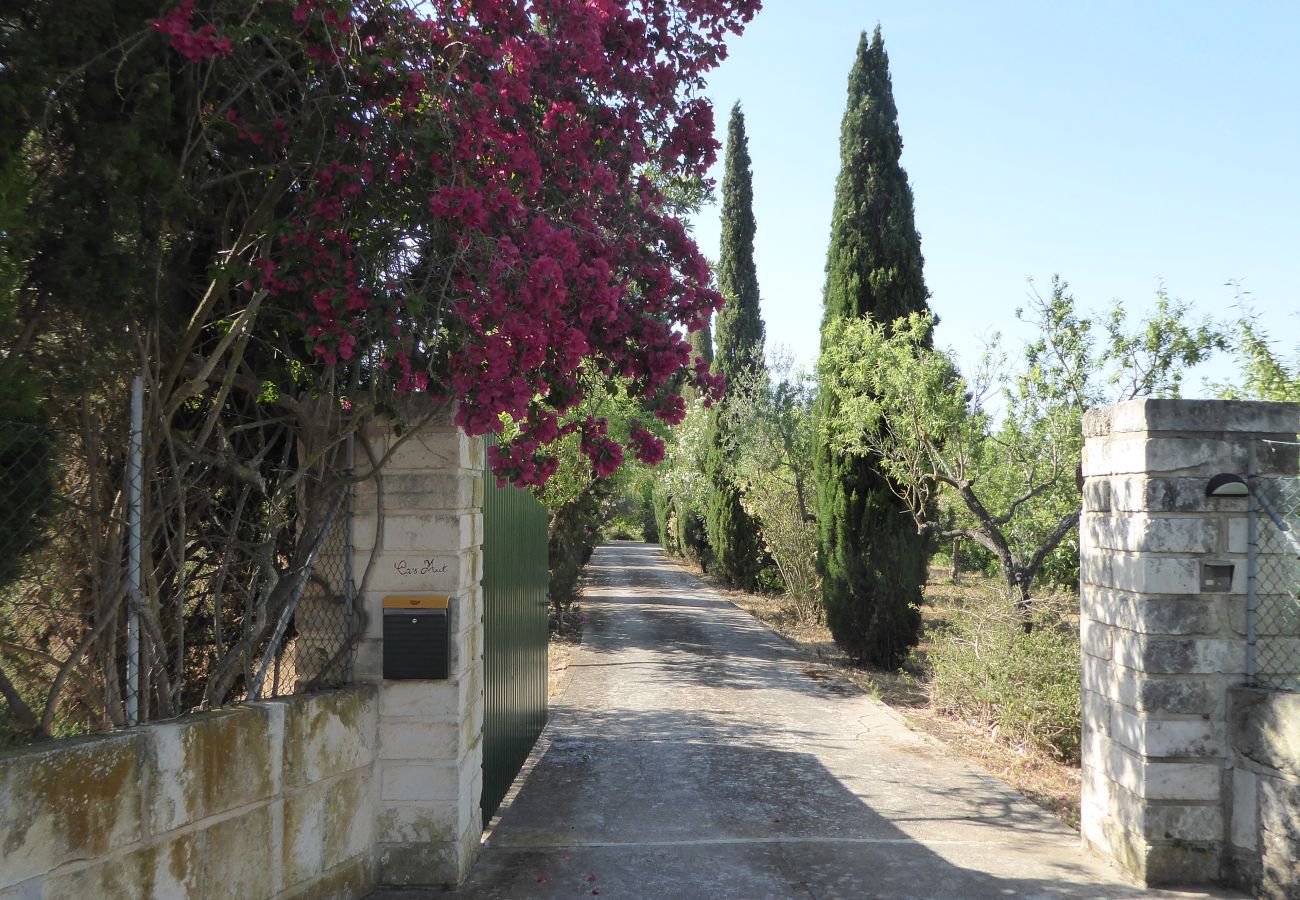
(1265, 813)
(428, 539)
(322, 796)
(1160, 652)
(270, 799)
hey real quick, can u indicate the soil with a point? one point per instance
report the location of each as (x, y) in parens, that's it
(566, 637)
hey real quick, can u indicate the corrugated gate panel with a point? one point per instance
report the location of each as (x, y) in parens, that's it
(514, 634)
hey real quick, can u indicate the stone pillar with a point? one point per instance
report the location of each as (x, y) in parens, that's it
(1161, 647)
(422, 518)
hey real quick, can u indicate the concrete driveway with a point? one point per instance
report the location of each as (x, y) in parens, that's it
(693, 757)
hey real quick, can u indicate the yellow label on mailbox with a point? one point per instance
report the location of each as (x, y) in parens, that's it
(416, 601)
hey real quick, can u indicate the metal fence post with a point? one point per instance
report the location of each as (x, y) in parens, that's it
(135, 490)
(1252, 560)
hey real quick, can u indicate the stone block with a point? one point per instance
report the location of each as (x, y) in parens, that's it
(428, 532)
(241, 855)
(432, 700)
(422, 822)
(68, 801)
(419, 781)
(1265, 729)
(165, 869)
(1279, 808)
(1171, 694)
(1245, 809)
(1096, 676)
(368, 666)
(411, 739)
(1174, 616)
(417, 491)
(1171, 656)
(1280, 868)
(1140, 493)
(423, 450)
(1096, 496)
(1156, 738)
(1179, 822)
(1155, 780)
(466, 652)
(1183, 454)
(1166, 534)
(212, 762)
(328, 734)
(1095, 786)
(1279, 457)
(326, 824)
(1096, 569)
(1178, 415)
(1238, 535)
(1100, 605)
(413, 573)
(354, 878)
(1095, 639)
(1142, 574)
(1183, 862)
(420, 864)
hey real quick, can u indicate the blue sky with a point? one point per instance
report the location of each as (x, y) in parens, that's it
(1120, 145)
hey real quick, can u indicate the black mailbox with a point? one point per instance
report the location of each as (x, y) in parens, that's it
(416, 637)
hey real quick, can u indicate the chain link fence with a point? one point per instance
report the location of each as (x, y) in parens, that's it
(1273, 607)
(223, 572)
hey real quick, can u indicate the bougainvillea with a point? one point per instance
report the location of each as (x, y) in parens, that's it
(462, 195)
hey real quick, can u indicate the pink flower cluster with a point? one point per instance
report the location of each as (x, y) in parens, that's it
(195, 44)
(483, 219)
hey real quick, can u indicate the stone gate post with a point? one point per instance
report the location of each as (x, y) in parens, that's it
(1163, 588)
(418, 530)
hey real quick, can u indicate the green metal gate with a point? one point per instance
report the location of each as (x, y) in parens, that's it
(514, 634)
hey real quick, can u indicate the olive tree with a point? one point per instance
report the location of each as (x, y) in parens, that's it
(1005, 478)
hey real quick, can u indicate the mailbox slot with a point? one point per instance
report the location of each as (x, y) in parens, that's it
(416, 643)
(1216, 578)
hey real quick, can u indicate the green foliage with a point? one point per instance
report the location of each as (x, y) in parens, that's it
(681, 489)
(27, 475)
(772, 421)
(733, 532)
(986, 667)
(584, 508)
(1007, 483)
(739, 327)
(871, 558)
(1267, 374)
(874, 263)
(632, 514)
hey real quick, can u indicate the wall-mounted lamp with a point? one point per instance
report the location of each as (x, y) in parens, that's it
(1225, 484)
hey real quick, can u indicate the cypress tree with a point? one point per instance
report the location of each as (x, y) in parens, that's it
(733, 533)
(870, 556)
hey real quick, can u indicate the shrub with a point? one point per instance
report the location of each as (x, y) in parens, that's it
(1024, 685)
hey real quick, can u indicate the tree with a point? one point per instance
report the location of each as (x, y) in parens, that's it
(871, 558)
(733, 532)
(1010, 480)
(287, 215)
(775, 442)
(1267, 373)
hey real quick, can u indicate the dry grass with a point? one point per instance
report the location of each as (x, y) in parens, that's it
(1048, 782)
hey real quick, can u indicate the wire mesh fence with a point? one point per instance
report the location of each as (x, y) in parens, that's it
(1273, 625)
(222, 573)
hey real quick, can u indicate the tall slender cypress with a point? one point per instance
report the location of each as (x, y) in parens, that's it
(871, 558)
(733, 533)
